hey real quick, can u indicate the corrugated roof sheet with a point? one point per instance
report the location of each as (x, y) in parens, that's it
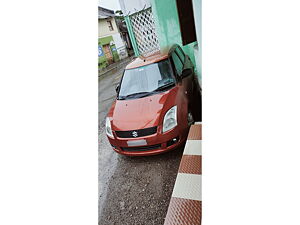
(104, 13)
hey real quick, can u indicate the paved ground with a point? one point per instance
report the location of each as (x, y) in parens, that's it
(114, 65)
(133, 191)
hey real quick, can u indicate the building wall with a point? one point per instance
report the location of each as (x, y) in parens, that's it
(103, 29)
(102, 60)
(197, 8)
(106, 36)
(168, 28)
(120, 45)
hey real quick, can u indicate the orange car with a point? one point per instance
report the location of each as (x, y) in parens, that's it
(154, 105)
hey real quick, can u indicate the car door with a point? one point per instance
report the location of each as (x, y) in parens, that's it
(192, 86)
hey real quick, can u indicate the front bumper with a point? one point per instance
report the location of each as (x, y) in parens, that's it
(155, 144)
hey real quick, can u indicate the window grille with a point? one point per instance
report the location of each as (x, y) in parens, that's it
(144, 31)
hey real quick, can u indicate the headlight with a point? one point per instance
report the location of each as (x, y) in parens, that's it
(108, 128)
(170, 119)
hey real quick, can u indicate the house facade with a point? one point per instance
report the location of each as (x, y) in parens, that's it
(111, 47)
(157, 25)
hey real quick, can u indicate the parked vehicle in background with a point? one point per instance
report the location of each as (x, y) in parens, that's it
(155, 104)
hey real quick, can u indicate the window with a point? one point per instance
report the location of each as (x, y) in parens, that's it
(146, 79)
(180, 53)
(110, 26)
(186, 20)
(177, 63)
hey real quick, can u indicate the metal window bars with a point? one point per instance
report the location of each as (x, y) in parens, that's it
(144, 30)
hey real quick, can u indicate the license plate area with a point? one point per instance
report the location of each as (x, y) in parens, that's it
(136, 143)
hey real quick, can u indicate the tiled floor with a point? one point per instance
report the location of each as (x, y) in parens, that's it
(186, 202)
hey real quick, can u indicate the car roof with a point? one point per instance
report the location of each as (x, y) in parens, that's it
(143, 61)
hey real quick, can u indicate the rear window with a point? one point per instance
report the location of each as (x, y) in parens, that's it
(180, 54)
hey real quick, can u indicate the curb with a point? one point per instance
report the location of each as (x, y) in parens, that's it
(185, 206)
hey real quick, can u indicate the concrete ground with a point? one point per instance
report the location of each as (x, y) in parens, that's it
(133, 191)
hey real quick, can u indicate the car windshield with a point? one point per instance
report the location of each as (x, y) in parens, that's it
(142, 81)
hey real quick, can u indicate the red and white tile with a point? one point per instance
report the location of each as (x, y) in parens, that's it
(186, 202)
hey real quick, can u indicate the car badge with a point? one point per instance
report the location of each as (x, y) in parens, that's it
(134, 134)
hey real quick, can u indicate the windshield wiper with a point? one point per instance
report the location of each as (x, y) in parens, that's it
(144, 94)
(139, 94)
(164, 87)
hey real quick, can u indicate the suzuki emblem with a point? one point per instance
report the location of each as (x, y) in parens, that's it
(134, 134)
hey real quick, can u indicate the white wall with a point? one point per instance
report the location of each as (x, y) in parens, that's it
(120, 45)
(103, 29)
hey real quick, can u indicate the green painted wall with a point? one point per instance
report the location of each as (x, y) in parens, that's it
(102, 61)
(105, 40)
(167, 26)
(197, 9)
(114, 52)
(131, 36)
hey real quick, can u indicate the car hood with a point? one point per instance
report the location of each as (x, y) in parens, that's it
(141, 112)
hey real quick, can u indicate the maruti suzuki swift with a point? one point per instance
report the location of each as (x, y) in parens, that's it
(154, 105)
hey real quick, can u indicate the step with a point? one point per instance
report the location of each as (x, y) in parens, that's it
(185, 206)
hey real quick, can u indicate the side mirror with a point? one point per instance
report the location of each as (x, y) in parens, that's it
(186, 72)
(117, 88)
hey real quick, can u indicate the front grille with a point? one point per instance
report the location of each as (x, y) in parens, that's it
(143, 148)
(136, 133)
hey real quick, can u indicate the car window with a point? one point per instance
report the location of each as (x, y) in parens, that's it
(177, 63)
(180, 54)
(146, 78)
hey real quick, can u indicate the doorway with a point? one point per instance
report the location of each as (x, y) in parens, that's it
(108, 53)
